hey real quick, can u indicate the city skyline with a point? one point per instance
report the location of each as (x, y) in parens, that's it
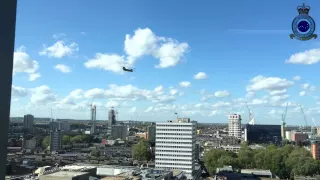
(183, 62)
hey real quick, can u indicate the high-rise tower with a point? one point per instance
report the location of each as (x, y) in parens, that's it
(111, 120)
(93, 119)
(176, 146)
(234, 125)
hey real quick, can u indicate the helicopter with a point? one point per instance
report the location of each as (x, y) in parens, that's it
(126, 69)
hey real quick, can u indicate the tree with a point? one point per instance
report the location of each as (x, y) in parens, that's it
(286, 162)
(46, 142)
(95, 153)
(79, 139)
(66, 140)
(245, 155)
(140, 151)
(216, 158)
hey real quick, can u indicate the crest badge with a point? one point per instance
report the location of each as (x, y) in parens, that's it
(303, 26)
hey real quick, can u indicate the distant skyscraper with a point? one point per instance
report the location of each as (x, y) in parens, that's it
(119, 131)
(93, 119)
(64, 126)
(28, 122)
(176, 147)
(152, 133)
(235, 125)
(56, 140)
(111, 120)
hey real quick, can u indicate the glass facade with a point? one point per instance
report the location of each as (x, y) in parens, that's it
(263, 134)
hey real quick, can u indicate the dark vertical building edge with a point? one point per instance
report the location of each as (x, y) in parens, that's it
(8, 9)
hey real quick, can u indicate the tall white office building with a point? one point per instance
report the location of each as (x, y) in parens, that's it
(56, 140)
(176, 146)
(234, 125)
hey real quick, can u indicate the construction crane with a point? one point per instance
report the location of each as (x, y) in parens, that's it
(251, 118)
(304, 117)
(314, 122)
(283, 119)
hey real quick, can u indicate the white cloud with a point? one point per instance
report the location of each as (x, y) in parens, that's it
(278, 98)
(173, 91)
(59, 49)
(159, 90)
(72, 97)
(308, 87)
(22, 63)
(214, 113)
(130, 93)
(42, 95)
(221, 94)
(200, 75)
(34, 76)
(170, 53)
(307, 57)
(145, 42)
(95, 93)
(133, 110)
(274, 112)
(58, 36)
(220, 104)
(259, 83)
(17, 91)
(185, 84)
(112, 104)
(257, 102)
(63, 68)
(107, 62)
(296, 78)
(250, 94)
(149, 109)
(302, 93)
(278, 92)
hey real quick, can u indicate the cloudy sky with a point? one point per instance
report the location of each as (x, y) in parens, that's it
(201, 60)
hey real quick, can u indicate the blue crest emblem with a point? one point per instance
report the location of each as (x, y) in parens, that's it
(303, 26)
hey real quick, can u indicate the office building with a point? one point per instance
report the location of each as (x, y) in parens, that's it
(314, 130)
(315, 147)
(56, 140)
(234, 125)
(64, 126)
(299, 137)
(119, 131)
(28, 122)
(176, 146)
(54, 125)
(93, 119)
(318, 131)
(111, 120)
(262, 134)
(288, 135)
(152, 133)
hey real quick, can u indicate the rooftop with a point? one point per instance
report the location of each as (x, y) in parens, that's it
(65, 173)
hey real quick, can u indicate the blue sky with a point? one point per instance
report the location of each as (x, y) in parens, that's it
(239, 49)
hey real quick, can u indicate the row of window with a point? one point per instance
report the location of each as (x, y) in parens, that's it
(176, 160)
(164, 142)
(173, 155)
(177, 151)
(173, 138)
(174, 134)
(175, 147)
(187, 130)
(170, 125)
(174, 164)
